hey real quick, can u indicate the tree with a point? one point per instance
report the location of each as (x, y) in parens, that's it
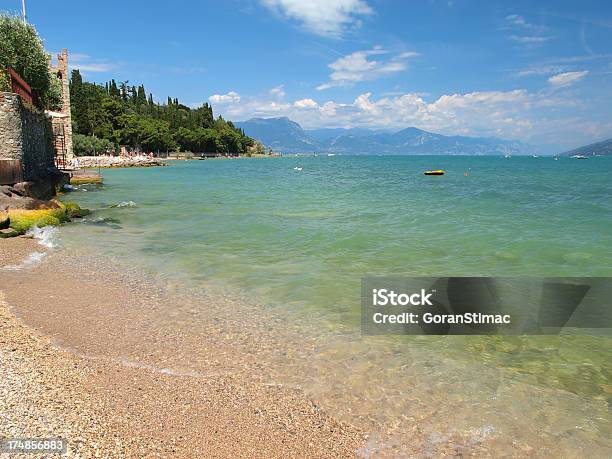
(22, 49)
(88, 146)
(101, 111)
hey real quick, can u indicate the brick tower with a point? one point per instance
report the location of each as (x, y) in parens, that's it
(61, 71)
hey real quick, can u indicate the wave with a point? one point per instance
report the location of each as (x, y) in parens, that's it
(125, 204)
(46, 236)
(33, 259)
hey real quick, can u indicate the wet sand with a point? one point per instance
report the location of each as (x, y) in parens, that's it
(108, 407)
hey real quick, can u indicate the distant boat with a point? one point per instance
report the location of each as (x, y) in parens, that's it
(580, 157)
(436, 172)
(508, 156)
(331, 154)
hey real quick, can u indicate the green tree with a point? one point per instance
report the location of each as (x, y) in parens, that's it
(22, 49)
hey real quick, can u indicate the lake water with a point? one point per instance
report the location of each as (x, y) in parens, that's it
(298, 242)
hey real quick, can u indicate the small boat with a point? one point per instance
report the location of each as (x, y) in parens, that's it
(436, 172)
(580, 157)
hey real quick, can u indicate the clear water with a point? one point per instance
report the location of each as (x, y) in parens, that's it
(300, 241)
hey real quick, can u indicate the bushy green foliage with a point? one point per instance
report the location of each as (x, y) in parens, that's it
(124, 115)
(84, 145)
(22, 49)
(5, 82)
(54, 95)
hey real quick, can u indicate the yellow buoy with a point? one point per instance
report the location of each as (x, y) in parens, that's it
(436, 172)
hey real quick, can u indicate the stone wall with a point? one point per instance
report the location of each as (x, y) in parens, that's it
(26, 135)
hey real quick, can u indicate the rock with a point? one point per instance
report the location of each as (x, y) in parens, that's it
(43, 188)
(21, 202)
(6, 190)
(8, 232)
(5, 221)
(47, 220)
(74, 210)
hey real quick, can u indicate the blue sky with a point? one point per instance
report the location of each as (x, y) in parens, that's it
(540, 72)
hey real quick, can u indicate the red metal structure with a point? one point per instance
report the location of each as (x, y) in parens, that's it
(19, 86)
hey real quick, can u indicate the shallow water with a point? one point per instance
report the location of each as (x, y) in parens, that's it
(298, 243)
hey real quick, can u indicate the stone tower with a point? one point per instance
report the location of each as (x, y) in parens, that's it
(61, 71)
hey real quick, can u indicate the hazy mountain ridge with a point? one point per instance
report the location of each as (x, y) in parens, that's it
(287, 136)
(603, 148)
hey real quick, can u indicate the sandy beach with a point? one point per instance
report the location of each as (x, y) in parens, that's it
(105, 407)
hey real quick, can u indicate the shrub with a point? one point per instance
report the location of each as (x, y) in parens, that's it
(22, 49)
(5, 81)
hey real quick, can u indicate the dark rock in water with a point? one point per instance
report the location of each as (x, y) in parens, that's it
(43, 188)
(5, 221)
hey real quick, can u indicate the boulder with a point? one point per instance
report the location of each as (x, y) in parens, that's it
(8, 232)
(20, 202)
(5, 221)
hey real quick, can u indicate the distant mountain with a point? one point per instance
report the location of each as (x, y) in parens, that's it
(281, 134)
(603, 148)
(287, 136)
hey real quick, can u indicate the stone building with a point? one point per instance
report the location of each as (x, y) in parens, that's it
(62, 121)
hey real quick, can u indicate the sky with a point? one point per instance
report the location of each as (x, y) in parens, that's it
(539, 72)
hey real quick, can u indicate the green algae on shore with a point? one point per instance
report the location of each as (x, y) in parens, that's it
(21, 220)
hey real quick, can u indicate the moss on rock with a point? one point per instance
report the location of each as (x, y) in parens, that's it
(56, 212)
(23, 219)
(75, 211)
(47, 220)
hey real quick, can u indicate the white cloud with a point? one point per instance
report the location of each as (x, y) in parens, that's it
(305, 103)
(517, 114)
(229, 98)
(531, 39)
(87, 64)
(541, 70)
(477, 113)
(526, 33)
(322, 17)
(359, 66)
(277, 91)
(567, 78)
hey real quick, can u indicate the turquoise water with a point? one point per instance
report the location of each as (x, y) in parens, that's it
(307, 237)
(302, 241)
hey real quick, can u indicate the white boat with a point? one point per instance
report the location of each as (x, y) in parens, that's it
(580, 157)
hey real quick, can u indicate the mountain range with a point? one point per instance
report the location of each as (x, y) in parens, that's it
(287, 136)
(603, 148)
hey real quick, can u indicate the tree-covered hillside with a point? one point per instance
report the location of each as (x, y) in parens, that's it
(125, 115)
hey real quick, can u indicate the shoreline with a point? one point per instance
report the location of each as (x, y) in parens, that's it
(152, 347)
(124, 409)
